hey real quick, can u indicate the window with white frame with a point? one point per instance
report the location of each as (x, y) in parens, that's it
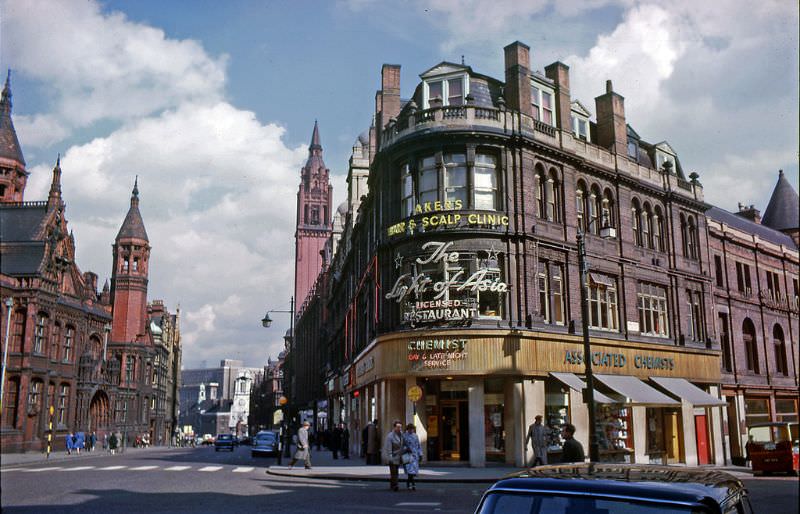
(455, 178)
(451, 90)
(39, 335)
(63, 394)
(428, 180)
(653, 310)
(68, 336)
(551, 292)
(694, 316)
(662, 158)
(580, 127)
(542, 101)
(485, 182)
(603, 313)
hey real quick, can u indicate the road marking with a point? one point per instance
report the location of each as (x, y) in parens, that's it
(111, 468)
(243, 469)
(36, 470)
(210, 468)
(177, 468)
(78, 468)
(143, 468)
(417, 504)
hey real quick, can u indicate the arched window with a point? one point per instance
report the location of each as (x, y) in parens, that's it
(636, 217)
(658, 229)
(541, 195)
(647, 226)
(55, 341)
(692, 242)
(35, 396)
(607, 219)
(69, 341)
(580, 206)
(781, 364)
(553, 191)
(684, 235)
(750, 345)
(40, 334)
(595, 207)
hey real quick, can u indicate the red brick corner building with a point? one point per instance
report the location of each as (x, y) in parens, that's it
(100, 361)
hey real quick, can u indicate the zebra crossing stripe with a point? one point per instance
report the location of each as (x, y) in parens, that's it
(143, 468)
(243, 469)
(177, 468)
(210, 468)
(36, 470)
(78, 468)
(111, 468)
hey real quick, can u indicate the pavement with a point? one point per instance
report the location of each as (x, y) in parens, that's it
(17, 459)
(324, 467)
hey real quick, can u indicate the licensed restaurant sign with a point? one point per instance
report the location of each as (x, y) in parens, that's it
(451, 295)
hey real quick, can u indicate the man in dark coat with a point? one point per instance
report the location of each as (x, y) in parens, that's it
(572, 450)
(335, 441)
(345, 444)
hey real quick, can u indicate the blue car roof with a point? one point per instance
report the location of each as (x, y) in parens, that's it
(649, 483)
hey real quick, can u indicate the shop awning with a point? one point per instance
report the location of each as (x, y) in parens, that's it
(575, 382)
(637, 392)
(682, 388)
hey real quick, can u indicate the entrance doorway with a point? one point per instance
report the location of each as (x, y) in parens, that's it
(703, 448)
(454, 422)
(447, 411)
(673, 436)
(99, 412)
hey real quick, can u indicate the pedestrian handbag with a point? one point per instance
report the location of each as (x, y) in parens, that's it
(407, 458)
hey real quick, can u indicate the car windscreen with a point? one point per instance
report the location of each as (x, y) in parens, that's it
(265, 438)
(224, 437)
(539, 503)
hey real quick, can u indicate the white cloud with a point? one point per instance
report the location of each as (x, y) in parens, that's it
(101, 66)
(217, 186)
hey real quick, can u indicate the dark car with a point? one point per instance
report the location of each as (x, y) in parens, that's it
(616, 489)
(223, 442)
(264, 444)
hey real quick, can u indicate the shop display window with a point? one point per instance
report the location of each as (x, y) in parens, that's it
(614, 432)
(785, 409)
(664, 439)
(756, 410)
(494, 430)
(556, 412)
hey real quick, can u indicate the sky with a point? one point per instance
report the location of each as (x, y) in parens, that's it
(212, 104)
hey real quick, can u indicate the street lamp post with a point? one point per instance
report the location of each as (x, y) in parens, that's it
(588, 393)
(266, 322)
(9, 304)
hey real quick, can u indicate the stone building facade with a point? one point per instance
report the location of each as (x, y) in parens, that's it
(78, 359)
(458, 274)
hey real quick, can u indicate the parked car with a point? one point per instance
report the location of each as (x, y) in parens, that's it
(223, 442)
(265, 443)
(616, 489)
(208, 439)
(774, 447)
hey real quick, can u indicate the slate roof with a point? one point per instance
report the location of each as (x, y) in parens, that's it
(9, 144)
(745, 225)
(21, 259)
(783, 209)
(133, 226)
(21, 222)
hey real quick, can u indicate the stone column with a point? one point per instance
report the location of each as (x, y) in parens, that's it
(477, 436)
(715, 417)
(513, 422)
(639, 418)
(579, 416)
(689, 433)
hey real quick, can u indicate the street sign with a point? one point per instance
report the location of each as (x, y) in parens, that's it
(414, 393)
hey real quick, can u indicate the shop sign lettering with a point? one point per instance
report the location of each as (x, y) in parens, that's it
(365, 366)
(440, 214)
(434, 302)
(618, 360)
(436, 353)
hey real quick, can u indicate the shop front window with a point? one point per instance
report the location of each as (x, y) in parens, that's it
(494, 431)
(756, 410)
(663, 441)
(614, 431)
(556, 406)
(786, 410)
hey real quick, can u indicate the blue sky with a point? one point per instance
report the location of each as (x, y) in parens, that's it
(212, 104)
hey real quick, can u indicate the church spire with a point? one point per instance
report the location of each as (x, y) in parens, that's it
(133, 226)
(315, 143)
(783, 210)
(9, 144)
(54, 198)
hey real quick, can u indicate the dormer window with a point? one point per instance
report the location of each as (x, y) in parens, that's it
(662, 158)
(450, 90)
(542, 101)
(580, 127)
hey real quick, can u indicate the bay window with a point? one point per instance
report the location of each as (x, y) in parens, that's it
(653, 310)
(485, 171)
(455, 178)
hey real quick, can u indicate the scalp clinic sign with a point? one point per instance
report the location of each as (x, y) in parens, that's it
(446, 214)
(451, 295)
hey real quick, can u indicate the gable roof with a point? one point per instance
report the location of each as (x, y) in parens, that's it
(445, 68)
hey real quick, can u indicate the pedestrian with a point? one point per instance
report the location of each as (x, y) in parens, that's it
(373, 443)
(75, 443)
(412, 455)
(364, 435)
(335, 441)
(572, 450)
(538, 439)
(393, 451)
(303, 450)
(92, 441)
(112, 443)
(70, 443)
(345, 442)
(105, 441)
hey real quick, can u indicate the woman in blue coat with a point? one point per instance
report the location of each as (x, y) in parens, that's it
(412, 454)
(70, 444)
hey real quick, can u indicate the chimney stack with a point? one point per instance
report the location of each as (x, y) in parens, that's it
(558, 72)
(518, 77)
(749, 212)
(612, 132)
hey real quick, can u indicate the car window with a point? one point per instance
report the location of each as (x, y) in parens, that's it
(510, 503)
